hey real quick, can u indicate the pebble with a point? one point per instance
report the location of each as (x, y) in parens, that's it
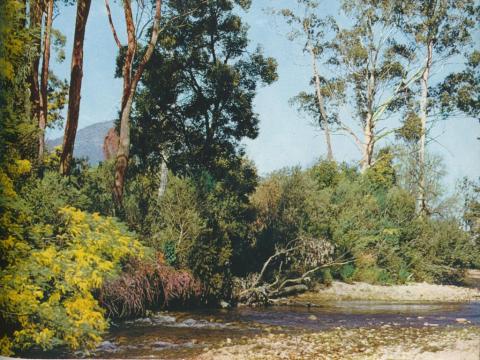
(312, 317)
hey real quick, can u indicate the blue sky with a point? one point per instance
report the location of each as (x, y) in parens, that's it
(286, 137)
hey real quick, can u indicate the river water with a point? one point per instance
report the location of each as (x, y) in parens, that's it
(182, 334)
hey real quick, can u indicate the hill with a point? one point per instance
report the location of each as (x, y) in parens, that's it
(88, 143)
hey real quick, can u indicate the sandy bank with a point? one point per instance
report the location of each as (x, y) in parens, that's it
(418, 292)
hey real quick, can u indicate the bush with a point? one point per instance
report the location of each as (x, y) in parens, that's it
(367, 217)
(146, 285)
(47, 292)
(174, 222)
(347, 273)
(327, 277)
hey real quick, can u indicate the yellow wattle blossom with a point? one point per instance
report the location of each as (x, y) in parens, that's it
(48, 291)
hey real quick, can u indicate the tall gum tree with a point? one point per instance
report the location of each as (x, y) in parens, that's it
(377, 70)
(35, 10)
(43, 106)
(131, 78)
(40, 25)
(311, 30)
(74, 95)
(439, 31)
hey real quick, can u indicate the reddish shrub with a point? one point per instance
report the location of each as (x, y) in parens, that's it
(148, 285)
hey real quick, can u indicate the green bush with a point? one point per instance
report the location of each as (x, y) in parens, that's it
(174, 221)
(347, 273)
(367, 217)
(327, 277)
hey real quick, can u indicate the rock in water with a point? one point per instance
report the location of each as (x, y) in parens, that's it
(224, 304)
(107, 346)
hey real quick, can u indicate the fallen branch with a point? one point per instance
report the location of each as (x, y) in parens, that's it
(307, 253)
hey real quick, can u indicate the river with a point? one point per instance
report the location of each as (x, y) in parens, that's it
(183, 334)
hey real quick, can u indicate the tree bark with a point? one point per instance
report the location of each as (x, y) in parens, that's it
(43, 113)
(163, 177)
(76, 75)
(421, 201)
(129, 88)
(321, 107)
(36, 26)
(369, 125)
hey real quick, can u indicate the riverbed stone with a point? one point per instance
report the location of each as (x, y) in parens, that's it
(107, 346)
(162, 344)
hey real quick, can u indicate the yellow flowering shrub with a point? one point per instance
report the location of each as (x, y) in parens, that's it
(47, 293)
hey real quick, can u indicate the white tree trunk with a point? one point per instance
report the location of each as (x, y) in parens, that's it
(163, 177)
(421, 201)
(321, 107)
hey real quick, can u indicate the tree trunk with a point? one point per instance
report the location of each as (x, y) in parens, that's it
(36, 26)
(369, 126)
(421, 201)
(163, 177)
(129, 88)
(321, 107)
(76, 75)
(43, 113)
(368, 145)
(121, 163)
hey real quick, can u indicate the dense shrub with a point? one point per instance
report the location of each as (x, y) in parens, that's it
(367, 217)
(146, 285)
(175, 223)
(47, 292)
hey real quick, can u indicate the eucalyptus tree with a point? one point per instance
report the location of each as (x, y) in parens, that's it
(131, 77)
(76, 76)
(40, 28)
(367, 69)
(311, 29)
(40, 21)
(377, 68)
(460, 91)
(440, 30)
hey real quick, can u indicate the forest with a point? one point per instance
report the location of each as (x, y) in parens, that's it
(177, 216)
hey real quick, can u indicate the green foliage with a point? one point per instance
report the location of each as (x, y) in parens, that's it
(382, 173)
(200, 76)
(327, 277)
(367, 217)
(175, 222)
(347, 272)
(43, 197)
(461, 90)
(411, 129)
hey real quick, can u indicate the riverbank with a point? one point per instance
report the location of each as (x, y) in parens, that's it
(416, 292)
(387, 342)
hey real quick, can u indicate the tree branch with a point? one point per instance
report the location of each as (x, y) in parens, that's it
(110, 20)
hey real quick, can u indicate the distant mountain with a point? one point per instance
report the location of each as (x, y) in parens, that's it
(88, 143)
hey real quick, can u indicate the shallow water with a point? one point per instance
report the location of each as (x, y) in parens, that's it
(182, 334)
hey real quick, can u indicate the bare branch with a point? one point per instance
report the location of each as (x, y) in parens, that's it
(110, 20)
